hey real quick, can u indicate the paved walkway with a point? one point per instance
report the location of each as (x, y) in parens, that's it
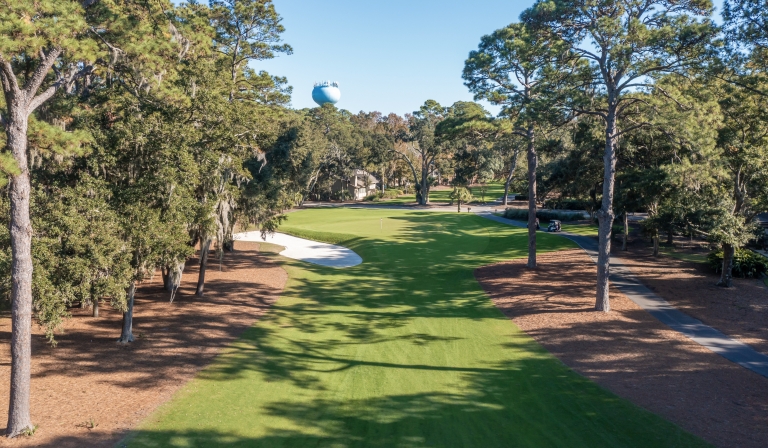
(307, 250)
(662, 310)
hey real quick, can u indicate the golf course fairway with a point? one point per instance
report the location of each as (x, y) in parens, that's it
(403, 350)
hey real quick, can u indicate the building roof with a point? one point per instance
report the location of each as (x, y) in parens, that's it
(364, 178)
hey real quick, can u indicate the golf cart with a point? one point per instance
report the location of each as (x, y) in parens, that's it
(554, 226)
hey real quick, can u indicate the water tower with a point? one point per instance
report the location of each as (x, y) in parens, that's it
(326, 92)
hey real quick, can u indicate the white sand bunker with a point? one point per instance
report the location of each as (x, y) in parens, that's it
(307, 250)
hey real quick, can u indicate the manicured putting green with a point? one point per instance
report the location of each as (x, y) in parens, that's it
(404, 350)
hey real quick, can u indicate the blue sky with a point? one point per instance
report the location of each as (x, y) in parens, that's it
(388, 56)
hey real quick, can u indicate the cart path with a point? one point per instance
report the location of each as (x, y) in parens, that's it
(694, 329)
(306, 250)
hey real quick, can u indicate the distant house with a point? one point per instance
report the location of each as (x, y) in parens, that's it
(357, 186)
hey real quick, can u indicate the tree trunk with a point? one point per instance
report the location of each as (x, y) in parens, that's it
(656, 246)
(512, 166)
(605, 215)
(205, 245)
(174, 278)
(726, 277)
(21, 275)
(126, 335)
(533, 162)
(459, 208)
(626, 231)
(95, 307)
(423, 189)
(165, 271)
(670, 236)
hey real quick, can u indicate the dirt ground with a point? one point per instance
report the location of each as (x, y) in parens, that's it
(740, 312)
(89, 390)
(628, 351)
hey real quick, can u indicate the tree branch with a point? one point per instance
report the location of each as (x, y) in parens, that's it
(41, 98)
(38, 76)
(410, 164)
(632, 128)
(742, 85)
(590, 112)
(671, 98)
(10, 85)
(63, 81)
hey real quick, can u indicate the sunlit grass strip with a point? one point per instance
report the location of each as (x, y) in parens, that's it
(404, 350)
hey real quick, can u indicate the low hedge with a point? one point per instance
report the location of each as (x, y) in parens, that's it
(746, 264)
(543, 215)
(388, 194)
(568, 204)
(392, 193)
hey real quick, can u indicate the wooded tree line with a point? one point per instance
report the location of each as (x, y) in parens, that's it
(640, 105)
(137, 132)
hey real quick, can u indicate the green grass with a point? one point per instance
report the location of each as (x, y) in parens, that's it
(591, 229)
(493, 191)
(685, 256)
(404, 350)
(580, 229)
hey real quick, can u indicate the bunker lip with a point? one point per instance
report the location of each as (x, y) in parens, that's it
(323, 254)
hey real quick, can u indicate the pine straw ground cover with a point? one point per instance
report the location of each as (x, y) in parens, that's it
(740, 312)
(89, 391)
(403, 350)
(628, 351)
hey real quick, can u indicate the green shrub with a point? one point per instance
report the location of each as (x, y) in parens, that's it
(378, 196)
(543, 215)
(568, 204)
(746, 264)
(392, 193)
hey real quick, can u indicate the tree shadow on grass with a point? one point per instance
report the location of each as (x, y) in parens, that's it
(518, 396)
(511, 403)
(629, 351)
